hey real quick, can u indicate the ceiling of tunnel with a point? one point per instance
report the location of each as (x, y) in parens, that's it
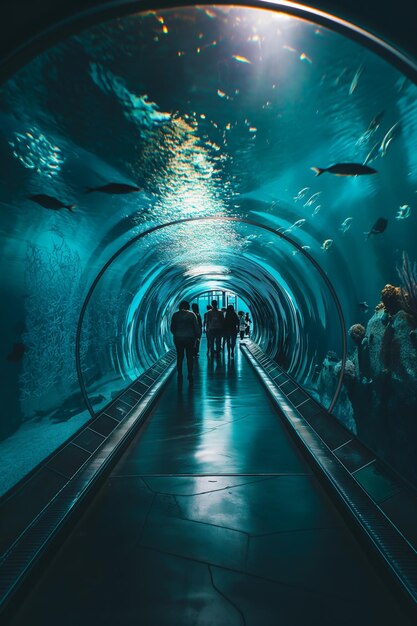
(210, 111)
(27, 27)
(229, 116)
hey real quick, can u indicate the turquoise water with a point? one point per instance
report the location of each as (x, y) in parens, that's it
(211, 112)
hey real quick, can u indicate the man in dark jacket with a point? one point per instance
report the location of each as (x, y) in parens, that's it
(185, 328)
(214, 324)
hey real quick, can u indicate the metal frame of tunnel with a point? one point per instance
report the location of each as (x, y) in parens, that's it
(242, 220)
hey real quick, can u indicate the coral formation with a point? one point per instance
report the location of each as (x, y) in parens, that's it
(413, 337)
(357, 332)
(349, 371)
(408, 276)
(392, 299)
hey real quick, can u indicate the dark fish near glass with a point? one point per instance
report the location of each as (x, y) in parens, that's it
(114, 188)
(49, 202)
(345, 169)
(378, 228)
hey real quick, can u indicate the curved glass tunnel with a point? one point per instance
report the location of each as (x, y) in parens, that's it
(205, 112)
(174, 264)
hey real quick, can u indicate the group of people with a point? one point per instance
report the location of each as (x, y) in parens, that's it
(222, 326)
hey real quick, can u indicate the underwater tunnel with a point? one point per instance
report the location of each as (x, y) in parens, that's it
(262, 154)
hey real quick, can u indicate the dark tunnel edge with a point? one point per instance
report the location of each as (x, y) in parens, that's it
(116, 9)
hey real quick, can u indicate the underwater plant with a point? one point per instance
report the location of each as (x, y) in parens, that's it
(408, 276)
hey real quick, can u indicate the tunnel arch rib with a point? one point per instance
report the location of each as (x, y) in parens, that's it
(249, 222)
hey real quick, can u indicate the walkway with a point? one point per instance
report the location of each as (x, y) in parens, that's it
(212, 518)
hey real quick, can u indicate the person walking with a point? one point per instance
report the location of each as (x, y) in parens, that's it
(230, 330)
(196, 312)
(185, 328)
(242, 324)
(214, 324)
(248, 322)
(223, 339)
(205, 329)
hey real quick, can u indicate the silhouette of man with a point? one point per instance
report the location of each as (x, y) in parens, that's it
(185, 328)
(214, 324)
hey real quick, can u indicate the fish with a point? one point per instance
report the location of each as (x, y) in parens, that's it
(346, 224)
(372, 154)
(363, 306)
(296, 224)
(49, 202)
(240, 59)
(341, 78)
(299, 223)
(378, 228)
(294, 252)
(312, 199)
(401, 84)
(355, 79)
(345, 169)
(393, 132)
(300, 195)
(316, 210)
(114, 188)
(17, 352)
(375, 122)
(327, 243)
(403, 212)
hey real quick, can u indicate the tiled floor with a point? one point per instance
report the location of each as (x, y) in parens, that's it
(212, 517)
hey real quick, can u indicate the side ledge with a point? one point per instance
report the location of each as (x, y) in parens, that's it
(389, 544)
(80, 466)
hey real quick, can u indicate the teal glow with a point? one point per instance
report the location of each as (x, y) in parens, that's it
(210, 112)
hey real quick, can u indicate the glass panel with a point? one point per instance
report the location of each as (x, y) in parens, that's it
(199, 112)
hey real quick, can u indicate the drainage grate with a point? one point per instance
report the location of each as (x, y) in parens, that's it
(104, 425)
(89, 440)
